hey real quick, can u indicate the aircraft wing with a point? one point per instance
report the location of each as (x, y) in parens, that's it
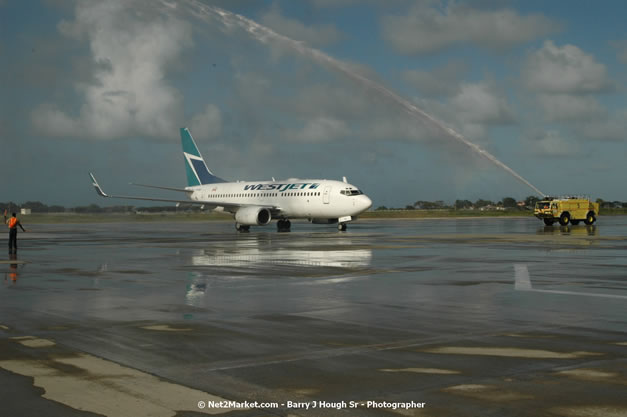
(228, 206)
(183, 190)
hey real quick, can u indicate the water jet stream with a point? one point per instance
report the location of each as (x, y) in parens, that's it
(265, 35)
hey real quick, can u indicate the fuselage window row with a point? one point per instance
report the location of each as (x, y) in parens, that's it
(309, 194)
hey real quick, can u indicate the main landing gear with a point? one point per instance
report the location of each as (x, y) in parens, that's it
(341, 227)
(242, 228)
(283, 225)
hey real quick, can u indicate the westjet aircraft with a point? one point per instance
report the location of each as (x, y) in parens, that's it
(257, 203)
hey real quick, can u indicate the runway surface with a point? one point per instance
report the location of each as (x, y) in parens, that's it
(455, 317)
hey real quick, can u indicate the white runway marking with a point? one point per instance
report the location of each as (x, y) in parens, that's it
(523, 283)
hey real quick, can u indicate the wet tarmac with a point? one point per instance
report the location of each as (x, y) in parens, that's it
(454, 317)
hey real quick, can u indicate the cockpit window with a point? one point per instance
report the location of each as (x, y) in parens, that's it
(351, 191)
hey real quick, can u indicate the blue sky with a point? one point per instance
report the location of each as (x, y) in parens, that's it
(103, 86)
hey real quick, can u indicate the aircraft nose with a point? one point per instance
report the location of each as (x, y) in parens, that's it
(367, 202)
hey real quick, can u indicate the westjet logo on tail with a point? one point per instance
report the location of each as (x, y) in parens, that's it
(282, 187)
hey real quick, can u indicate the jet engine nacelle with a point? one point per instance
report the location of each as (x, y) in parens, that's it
(253, 216)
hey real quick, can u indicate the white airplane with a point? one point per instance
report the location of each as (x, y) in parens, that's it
(257, 203)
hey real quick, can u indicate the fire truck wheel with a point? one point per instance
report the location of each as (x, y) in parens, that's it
(564, 219)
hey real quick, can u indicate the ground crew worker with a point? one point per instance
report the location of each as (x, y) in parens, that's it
(13, 223)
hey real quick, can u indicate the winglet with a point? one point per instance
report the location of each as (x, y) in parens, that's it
(96, 186)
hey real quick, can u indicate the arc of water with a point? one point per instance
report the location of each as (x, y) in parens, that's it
(265, 35)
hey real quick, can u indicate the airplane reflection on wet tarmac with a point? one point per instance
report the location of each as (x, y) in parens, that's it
(259, 252)
(255, 258)
(242, 257)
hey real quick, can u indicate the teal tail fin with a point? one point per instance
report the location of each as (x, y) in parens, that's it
(197, 171)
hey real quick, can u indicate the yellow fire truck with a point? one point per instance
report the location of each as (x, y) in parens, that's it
(566, 210)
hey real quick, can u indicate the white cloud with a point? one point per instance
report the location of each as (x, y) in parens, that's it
(566, 80)
(134, 47)
(551, 144)
(320, 112)
(481, 103)
(331, 100)
(612, 128)
(207, 124)
(428, 28)
(441, 81)
(567, 107)
(322, 129)
(565, 70)
(314, 35)
(50, 120)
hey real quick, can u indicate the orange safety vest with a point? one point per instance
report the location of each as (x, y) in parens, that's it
(13, 222)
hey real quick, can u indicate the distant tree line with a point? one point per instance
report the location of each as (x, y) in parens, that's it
(507, 203)
(39, 207)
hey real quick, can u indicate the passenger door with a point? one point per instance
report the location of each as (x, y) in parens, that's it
(325, 194)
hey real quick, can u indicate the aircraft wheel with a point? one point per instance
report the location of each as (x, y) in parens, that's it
(564, 219)
(341, 227)
(548, 222)
(242, 228)
(590, 219)
(283, 226)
